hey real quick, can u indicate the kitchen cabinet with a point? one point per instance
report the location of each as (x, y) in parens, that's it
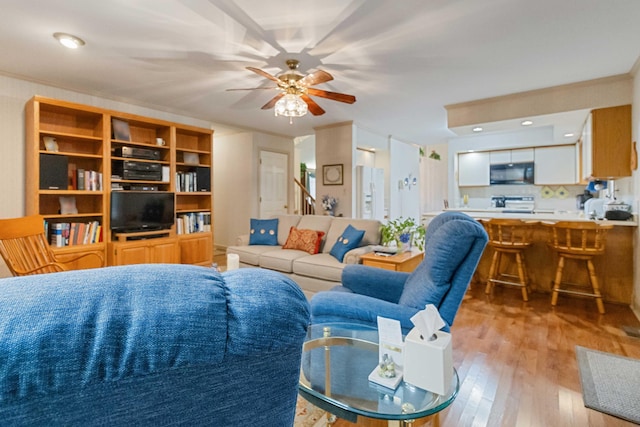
(606, 143)
(556, 165)
(511, 156)
(473, 169)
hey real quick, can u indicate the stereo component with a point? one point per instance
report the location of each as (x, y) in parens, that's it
(144, 171)
(137, 153)
(54, 174)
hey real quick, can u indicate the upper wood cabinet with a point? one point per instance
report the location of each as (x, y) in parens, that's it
(606, 143)
(473, 169)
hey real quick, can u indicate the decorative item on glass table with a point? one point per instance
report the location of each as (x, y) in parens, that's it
(328, 204)
(403, 233)
(388, 373)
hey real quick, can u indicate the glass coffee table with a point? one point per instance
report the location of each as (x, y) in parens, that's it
(337, 359)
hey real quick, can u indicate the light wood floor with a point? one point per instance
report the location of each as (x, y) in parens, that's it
(517, 362)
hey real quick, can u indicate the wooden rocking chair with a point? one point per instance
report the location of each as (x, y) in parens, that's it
(25, 249)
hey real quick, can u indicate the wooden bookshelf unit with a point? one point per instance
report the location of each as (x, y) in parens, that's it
(82, 145)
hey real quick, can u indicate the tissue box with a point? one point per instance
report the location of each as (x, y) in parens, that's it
(428, 364)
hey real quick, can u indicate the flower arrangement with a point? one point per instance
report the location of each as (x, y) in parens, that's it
(404, 233)
(329, 202)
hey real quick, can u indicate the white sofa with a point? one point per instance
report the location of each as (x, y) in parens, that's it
(313, 273)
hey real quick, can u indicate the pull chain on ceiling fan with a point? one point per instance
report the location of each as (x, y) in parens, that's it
(295, 88)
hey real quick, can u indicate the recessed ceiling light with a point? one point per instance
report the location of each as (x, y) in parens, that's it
(526, 123)
(568, 135)
(477, 129)
(68, 40)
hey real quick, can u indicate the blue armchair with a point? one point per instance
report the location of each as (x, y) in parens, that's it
(454, 243)
(150, 345)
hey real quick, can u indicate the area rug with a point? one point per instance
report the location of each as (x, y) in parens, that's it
(610, 383)
(308, 415)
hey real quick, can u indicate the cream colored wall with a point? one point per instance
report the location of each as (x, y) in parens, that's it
(404, 161)
(336, 144)
(434, 178)
(232, 187)
(598, 93)
(236, 184)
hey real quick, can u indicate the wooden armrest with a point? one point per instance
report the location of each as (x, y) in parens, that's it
(56, 265)
(86, 254)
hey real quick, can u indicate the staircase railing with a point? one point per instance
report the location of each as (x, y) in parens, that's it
(307, 201)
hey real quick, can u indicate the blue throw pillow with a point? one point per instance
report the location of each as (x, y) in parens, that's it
(264, 232)
(349, 239)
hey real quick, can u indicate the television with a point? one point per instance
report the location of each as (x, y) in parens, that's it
(133, 211)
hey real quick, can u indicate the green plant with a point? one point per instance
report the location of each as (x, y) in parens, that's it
(403, 231)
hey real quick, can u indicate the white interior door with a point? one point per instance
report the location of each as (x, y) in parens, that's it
(274, 178)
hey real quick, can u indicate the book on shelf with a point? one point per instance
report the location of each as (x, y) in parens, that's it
(73, 176)
(63, 234)
(193, 222)
(89, 180)
(80, 179)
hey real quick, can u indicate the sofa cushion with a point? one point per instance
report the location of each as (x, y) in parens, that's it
(304, 240)
(371, 229)
(319, 223)
(319, 266)
(281, 260)
(285, 222)
(263, 232)
(349, 239)
(250, 254)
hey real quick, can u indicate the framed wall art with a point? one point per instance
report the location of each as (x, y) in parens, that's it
(332, 174)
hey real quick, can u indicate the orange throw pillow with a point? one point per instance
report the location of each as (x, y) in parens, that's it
(304, 240)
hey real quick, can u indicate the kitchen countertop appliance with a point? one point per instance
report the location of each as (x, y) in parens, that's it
(582, 198)
(513, 204)
(618, 211)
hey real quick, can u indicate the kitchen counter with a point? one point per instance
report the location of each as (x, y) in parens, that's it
(541, 215)
(614, 267)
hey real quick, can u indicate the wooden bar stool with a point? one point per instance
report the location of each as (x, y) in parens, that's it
(580, 241)
(509, 237)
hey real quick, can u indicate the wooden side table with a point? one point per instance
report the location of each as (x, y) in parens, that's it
(405, 261)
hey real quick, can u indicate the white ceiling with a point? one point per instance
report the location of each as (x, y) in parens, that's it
(403, 59)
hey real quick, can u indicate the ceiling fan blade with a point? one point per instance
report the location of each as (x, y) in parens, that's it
(315, 78)
(273, 101)
(315, 109)
(342, 97)
(263, 74)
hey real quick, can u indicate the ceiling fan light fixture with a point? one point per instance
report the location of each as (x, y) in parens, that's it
(291, 106)
(68, 40)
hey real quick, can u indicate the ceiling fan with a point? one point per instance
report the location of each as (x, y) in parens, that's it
(295, 88)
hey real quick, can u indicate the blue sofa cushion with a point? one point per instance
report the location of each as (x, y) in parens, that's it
(349, 239)
(446, 249)
(263, 232)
